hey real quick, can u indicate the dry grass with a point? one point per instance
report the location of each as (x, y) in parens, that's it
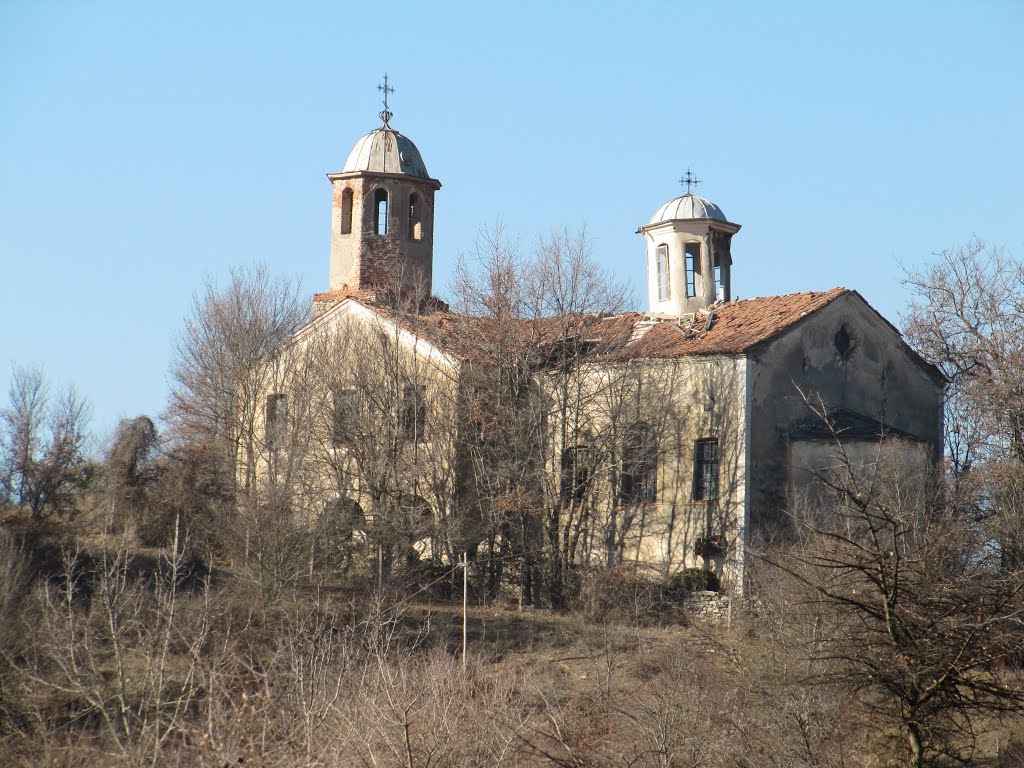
(332, 676)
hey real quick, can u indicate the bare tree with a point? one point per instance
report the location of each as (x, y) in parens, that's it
(500, 455)
(42, 444)
(128, 654)
(561, 434)
(220, 372)
(567, 296)
(129, 470)
(226, 372)
(910, 612)
(967, 317)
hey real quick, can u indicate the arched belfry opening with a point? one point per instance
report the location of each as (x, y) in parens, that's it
(382, 216)
(380, 212)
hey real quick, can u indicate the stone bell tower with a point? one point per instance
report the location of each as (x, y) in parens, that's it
(382, 217)
(689, 254)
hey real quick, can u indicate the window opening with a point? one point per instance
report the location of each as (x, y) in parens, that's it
(414, 412)
(380, 204)
(343, 417)
(276, 420)
(844, 343)
(664, 286)
(346, 212)
(719, 287)
(575, 474)
(705, 469)
(692, 267)
(344, 516)
(417, 515)
(638, 483)
(415, 219)
(477, 408)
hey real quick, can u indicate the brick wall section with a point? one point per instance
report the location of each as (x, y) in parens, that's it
(364, 260)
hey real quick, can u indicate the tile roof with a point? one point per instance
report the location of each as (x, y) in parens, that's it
(736, 326)
(345, 293)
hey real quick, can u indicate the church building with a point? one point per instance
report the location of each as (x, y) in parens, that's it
(690, 432)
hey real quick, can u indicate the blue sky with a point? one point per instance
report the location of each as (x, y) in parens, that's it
(147, 145)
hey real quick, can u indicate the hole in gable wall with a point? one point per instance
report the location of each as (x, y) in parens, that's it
(845, 343)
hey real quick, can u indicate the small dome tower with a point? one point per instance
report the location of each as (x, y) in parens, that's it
(689, 254)
(382, 219)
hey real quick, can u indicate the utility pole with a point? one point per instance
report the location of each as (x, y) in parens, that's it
(465, 605)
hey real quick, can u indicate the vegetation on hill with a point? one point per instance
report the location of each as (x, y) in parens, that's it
(161, 605)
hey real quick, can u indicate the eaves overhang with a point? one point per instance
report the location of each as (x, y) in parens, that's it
(680, 225)
(405, 177)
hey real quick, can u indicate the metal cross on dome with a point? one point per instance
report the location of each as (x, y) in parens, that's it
(689, 180)
(386, 115)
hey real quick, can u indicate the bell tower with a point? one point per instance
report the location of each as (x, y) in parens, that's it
(689, 254)
(382, 216)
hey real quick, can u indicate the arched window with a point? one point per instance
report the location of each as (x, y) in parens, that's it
(380, 207)
(414, 412)
(342, 518)
(638, 480)
(415, 217)
(346, 212)
(664, 286)
(692, 267)
(416, 516)
(575, 474)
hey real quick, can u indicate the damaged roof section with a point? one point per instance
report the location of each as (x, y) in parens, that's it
(732, 327)
(727, 328)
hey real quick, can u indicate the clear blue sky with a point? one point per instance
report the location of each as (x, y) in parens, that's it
(146, 145)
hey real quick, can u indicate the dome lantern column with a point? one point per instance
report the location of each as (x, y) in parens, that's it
(689, 255)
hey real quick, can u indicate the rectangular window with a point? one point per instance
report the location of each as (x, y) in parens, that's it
(638, 479)
(692, 267)
(343, 417)
(705, 469)
(414, 412)
(575, 475)
(720, 287)
(664, 286)
(276, 420)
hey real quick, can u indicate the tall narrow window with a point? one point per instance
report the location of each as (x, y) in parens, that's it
(346, 212)
(414, 412)
(343, 419)
(380, 207)
(276, 420)
(692, 267)
(719, 288)
(638, 480)
(664, 286)
(575, 474)
(705, 469)
(415, 217)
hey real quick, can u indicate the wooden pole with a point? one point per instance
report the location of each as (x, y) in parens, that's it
(465, 606)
